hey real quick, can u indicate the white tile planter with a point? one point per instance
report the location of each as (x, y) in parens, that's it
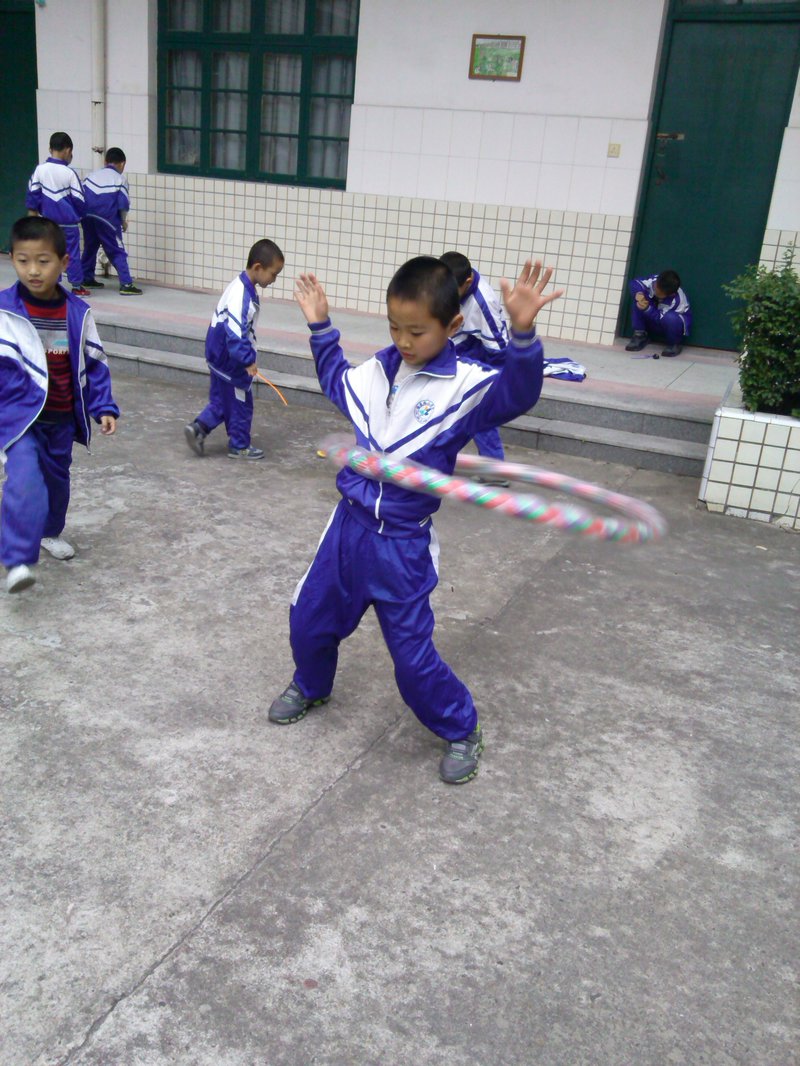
(752, 468)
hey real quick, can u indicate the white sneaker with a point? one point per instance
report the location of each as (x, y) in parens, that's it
(19, 578)
(58, 547)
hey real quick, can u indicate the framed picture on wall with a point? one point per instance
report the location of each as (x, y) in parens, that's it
(496, 57)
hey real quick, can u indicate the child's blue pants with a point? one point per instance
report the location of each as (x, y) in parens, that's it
(72, 232)
(97, 231)
(489, 444)
(36, 491)
(232, 405)
(669, 325)
(354, 569)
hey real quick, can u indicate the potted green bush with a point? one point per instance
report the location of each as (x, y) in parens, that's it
(768, 321)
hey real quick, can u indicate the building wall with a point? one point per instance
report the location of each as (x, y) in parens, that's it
(497, 170)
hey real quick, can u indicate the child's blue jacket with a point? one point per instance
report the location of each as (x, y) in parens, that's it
(433, 415)
(55, 191)
(23, 369)
(231, 337)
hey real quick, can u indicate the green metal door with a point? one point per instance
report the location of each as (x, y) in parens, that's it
(719, 123)
(18, 141)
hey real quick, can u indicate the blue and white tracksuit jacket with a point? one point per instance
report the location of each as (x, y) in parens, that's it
(671, 317)
(55, 191)
(230, 348)
(107, 203)
(379, 548)
(37, 455)
(483, 336)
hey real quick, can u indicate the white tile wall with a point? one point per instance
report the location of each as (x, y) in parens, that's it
(196, 233)
(753, 467)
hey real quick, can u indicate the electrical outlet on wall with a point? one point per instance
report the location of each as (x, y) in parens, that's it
(614, 151)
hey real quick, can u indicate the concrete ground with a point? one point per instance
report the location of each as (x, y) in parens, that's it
(185, 883)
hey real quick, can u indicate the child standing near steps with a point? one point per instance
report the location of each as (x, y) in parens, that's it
(53, 379)
(231, 356)
(108, 202)
(416, 400)
(55, 192)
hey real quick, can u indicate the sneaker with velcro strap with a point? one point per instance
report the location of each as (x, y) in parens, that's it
(58, 547)
(459, 763)
(292, 705)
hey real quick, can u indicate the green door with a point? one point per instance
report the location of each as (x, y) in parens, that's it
(18, 141)
(719, 125)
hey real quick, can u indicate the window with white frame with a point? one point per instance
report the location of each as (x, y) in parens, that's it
(258, 89)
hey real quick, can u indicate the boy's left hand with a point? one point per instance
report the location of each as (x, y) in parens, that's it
(312, 299)
(527, 298)
(641, 301)
(108, 424)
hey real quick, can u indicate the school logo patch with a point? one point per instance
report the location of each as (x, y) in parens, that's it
(423, 410)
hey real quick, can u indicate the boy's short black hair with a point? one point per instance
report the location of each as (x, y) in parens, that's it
(264, 252)
(34, 228)
(668, 281)
(115, 155)
(59, 141)
(429, 279)
(459, 264)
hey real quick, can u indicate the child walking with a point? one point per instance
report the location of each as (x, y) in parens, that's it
(55, 192)
(53, 379)
(231, 356)
(107, 205)
(418, 400)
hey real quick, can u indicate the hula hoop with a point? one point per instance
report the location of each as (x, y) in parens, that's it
(641, 523)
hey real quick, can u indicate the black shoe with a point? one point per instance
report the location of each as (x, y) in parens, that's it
(672, 351)
(92, 283)
(292, 705)
(637, 342)
(460, 762)
(129, 290)
(195, 437)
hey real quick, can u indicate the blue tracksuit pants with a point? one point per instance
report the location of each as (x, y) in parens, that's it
(36, 491)
(232, 405)
(72, 232)
(99, 231)
(668, 325)
(355, 568)
(489, 444)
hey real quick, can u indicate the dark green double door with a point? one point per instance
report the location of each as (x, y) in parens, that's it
(725, 101)
(17, 109)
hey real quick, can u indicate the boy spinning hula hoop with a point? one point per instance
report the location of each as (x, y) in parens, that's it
(415, 399)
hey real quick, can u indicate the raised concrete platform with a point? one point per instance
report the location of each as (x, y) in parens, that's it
(640, 412)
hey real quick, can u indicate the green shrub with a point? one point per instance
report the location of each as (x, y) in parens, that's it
(768, 322)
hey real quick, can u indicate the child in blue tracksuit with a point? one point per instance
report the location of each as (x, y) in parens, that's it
(418, 400)
(53, 379)
(483, 336)
(231, 356)
(659, 306)
(107, 205)
(55, 192)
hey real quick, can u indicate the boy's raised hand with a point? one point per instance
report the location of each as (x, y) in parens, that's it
(527, 298)
(312, 299)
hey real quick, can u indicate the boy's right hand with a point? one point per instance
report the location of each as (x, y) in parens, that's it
(312, 299)
(641, 301)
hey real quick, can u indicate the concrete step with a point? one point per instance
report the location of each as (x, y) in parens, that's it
(639, 447)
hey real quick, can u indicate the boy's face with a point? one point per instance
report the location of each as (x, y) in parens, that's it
(38, 267)
(418, 336)
(266, 275)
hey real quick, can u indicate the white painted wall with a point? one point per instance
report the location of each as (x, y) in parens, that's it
(422, 128)
(64, 59)
(784, 213)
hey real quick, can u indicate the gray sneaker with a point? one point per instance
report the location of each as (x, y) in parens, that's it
(460, 761)
(292, 705)
(195, 437)
(246, 453)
